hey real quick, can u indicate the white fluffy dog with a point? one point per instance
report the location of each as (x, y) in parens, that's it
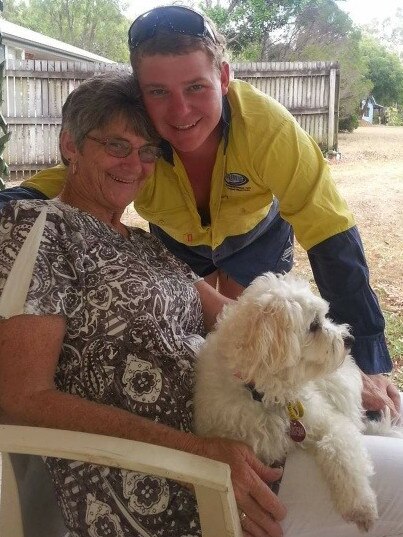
(277, 336)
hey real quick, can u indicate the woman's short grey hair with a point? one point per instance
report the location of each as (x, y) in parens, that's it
(99, 100)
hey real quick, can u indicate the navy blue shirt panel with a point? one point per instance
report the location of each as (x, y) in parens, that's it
(342, 276)
(20, 193)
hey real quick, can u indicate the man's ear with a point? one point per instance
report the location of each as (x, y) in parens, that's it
(68, 147)
(225, 77)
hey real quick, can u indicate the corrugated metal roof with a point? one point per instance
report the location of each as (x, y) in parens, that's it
(20, 36)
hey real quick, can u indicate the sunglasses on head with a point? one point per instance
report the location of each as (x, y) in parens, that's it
(176, 19)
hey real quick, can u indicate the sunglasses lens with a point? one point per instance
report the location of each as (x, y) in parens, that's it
(185, 21)
(142, 29)
(149, 153)
(172, 19)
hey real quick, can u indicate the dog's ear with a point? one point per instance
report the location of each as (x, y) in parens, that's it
(263, 337)
(276, 330)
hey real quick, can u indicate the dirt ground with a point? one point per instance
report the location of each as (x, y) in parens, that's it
(369, 174)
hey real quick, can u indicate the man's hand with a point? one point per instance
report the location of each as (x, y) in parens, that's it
(379, 392)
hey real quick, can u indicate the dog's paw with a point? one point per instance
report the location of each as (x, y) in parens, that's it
(363, 514)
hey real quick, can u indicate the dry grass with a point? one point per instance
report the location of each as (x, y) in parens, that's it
(370, 176)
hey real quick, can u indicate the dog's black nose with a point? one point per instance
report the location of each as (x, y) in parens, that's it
(348, 341)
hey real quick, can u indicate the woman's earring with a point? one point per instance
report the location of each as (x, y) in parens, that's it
(75, 168)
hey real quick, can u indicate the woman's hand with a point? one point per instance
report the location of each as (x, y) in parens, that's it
(249, 477)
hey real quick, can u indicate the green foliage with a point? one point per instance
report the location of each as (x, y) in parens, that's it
(313, 30)
(348, 123)
(385, 71)
(388, 32)
(394, 116)
(94, 25)
(394, 336)
(324, 32)
(253, 24)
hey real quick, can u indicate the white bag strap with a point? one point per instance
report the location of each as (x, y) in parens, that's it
(18, 281)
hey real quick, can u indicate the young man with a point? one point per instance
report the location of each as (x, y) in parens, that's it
(239, 178)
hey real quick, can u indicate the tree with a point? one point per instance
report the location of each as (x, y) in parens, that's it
(388, 32)
(98, 26)
(385, 71)
(323, 31)
(262, 30)
(253, 25)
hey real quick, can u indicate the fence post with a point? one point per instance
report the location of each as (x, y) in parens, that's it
(5, 135)
(333, 101)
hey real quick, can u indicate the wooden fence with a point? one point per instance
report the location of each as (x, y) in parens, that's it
(309, 90)
(34, 92)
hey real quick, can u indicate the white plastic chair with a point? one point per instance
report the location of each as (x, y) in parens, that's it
(211, 479)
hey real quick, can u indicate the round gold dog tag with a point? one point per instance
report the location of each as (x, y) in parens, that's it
(297, 431)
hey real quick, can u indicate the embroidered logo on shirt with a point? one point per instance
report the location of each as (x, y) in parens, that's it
(235, 181)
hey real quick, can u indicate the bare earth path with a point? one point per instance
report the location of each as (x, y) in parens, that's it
(370, 177)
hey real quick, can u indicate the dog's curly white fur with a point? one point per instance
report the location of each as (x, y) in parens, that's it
(277, 336)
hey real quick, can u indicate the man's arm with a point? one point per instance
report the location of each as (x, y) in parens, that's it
(20, 193)
(342, 276)
(43, 185)
(378, 393)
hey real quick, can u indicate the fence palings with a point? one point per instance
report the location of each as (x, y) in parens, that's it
(34, 92)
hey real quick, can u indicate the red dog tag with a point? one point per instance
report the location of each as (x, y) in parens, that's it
(297, 431)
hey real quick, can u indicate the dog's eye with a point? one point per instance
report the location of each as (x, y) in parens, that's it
(315, 325)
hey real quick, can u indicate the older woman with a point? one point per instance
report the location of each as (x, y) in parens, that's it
(95, 317)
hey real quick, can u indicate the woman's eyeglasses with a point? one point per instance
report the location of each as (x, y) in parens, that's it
(120, 148)
(172, 19)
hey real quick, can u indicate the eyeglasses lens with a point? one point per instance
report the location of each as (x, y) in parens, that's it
(118, 148)
(149, 153)
(123, 148)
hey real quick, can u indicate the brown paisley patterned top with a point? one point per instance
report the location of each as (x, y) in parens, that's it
(128, 304)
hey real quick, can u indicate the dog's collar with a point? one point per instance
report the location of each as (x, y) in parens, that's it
(295, 412)
(257, 396)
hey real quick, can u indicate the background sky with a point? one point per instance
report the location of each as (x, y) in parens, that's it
(360, 11)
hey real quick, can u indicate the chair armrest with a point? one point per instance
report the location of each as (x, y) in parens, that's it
(211, 479)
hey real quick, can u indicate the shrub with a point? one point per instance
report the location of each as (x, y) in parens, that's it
(348, 123)
(394, 116)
